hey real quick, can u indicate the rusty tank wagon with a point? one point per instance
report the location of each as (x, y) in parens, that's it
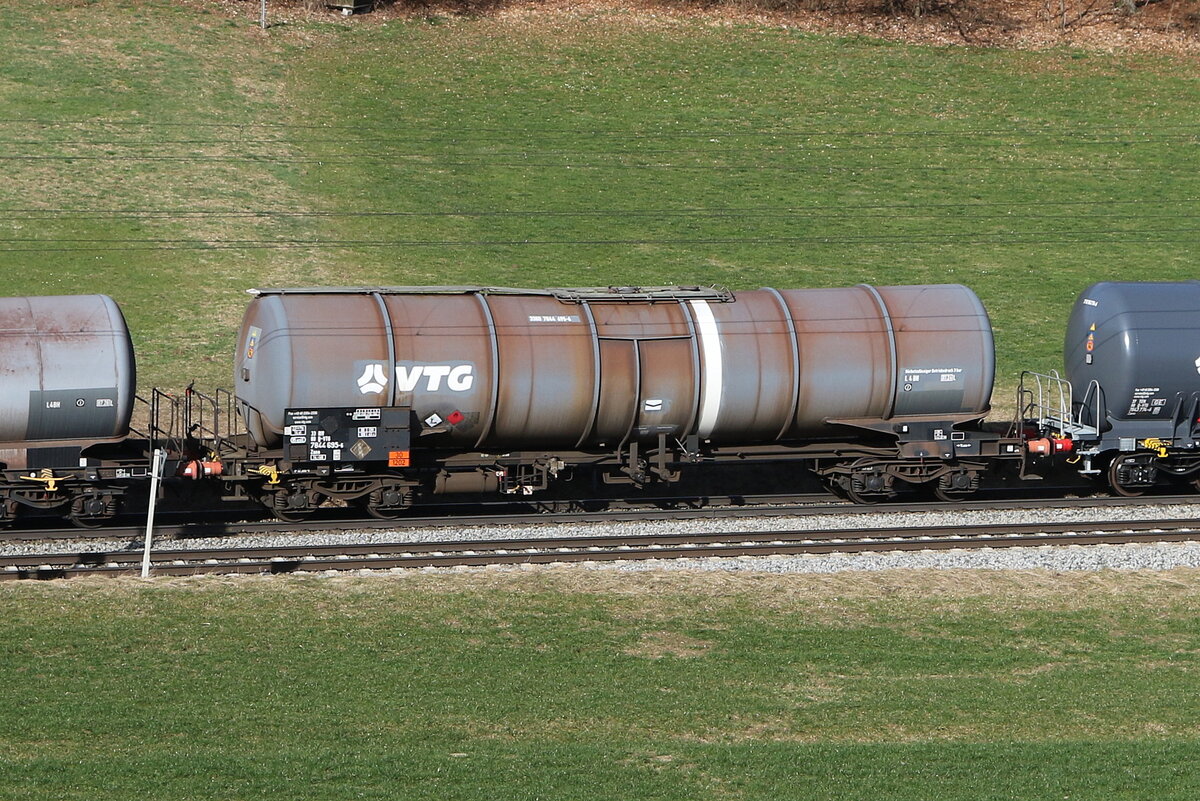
(386, 395)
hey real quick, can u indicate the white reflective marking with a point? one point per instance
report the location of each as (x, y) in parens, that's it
(712, 367)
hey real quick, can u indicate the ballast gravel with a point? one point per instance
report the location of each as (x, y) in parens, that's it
(1160, 556)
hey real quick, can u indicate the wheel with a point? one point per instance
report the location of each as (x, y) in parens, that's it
(854, 492)
(867, 488)
(291, 507)
(387, 503)
(288, 516)
(955, 487)
(858, 498)
(949, 496)
(1125, 475)
(385, 514)
(8, 513)
(92, 511)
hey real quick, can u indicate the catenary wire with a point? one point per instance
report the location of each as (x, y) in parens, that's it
(491, 133)
(1011, 238)
(824, 211)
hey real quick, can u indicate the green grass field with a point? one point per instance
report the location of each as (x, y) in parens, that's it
(569, 685)
(171, 155)
(174, 156)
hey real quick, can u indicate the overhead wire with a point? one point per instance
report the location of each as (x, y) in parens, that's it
(714, 137)
(79, 245)
(741, 214)
(859, 169)
(627, 159)
(492, 132)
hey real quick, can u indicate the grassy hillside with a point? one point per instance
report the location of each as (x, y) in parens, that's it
(173, 156)
(599, 686)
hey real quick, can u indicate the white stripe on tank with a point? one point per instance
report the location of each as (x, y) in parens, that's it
(712, 367)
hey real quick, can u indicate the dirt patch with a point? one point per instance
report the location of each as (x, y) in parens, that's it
(659, 644)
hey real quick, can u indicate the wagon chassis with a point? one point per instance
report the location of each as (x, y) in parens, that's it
(895, 456)
(204, 438)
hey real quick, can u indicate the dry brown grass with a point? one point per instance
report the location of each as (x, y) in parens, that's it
(832, 594)
(659, 644)
(1169, 26)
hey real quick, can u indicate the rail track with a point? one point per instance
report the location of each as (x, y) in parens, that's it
(451, 517)
(318, 558)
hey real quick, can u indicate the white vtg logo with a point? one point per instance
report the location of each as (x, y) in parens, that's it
(458, 377)
(372, 379)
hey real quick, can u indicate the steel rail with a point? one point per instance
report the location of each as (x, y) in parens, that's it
(456, 518)
(377, 556)
(441, 515)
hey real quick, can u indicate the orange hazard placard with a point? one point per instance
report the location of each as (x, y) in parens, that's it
(398, 459)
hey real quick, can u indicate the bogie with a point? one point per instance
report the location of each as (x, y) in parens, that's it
(388, 502)
(1132, 475)
(956, 486)
(92, 510)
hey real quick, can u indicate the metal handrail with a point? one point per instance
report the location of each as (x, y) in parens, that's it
(158, 434)
(630, 294)
(177, 422)
(234, 423)
(134, 429)
(1092, 394)
(241, 407)
(1050, 402)
(195, 419)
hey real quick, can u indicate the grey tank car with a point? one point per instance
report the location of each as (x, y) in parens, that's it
(67, 386)
(1129, 401)
(66, 370)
